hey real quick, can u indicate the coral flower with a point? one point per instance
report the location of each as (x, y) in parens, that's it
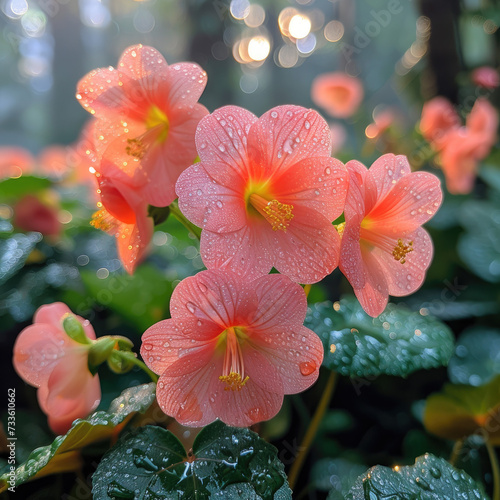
(486, 77)
(265, 193)
(384, 250)
(15, 161)
(232, 349)
(337, 93)
(31, 214)
(124, 214)
(466, 146)
(147, 116)
(438, 119)
(47, 358)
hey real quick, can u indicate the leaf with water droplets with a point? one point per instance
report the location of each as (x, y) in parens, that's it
(431, 478)
(13, 253)
(398, 342)
(63, 454)
(461, 410)
(226, 462)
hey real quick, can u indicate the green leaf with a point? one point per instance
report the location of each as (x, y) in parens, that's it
(14, 188)
(431, 478)
(478, 246)
(477, 356)
(461, 410)
(398, 342)
(152, 463)
(13, 253)
(64, 455)
(142, 299)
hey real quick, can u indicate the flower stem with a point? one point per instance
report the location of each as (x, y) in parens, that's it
(495, 470)
(174, 210)
(130, 356)
(313, 429)
(455, 452)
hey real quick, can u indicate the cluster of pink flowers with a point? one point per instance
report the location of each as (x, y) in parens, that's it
(266, 193)
(460, 147)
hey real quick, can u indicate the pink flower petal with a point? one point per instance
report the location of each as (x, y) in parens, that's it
(187, 82)
(310, 248)
(208, 204)
(140, 62)
(281, 303)
(319, 184)
(406, 278)
(387, 170)
(246, 252)
(412, 201)
(284, 136)
(221, 141)
(215, 296)
(296, 352)
(166, 341)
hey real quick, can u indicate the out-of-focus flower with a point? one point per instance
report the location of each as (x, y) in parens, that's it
(15, 161)
(46, 357)
(486, 77)
(382, 120)
(337, 93)
(438, 119)
(232, 349)
(53, 162)
(384, 250)
(147, 116)
(123, 213)
(33, 214)
(265, 193)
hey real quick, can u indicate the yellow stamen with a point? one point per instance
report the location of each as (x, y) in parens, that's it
(400, 251)
(135, 148)
(104, 221)
(276, 213)
(340, 228)
(233, 370)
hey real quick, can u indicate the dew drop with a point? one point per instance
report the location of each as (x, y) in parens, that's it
(274, 114)
(307, 367)
(191, 307)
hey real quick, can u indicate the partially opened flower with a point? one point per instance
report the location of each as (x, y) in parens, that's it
(232, 349)
(265, 193)
(147, 116)
(123, 213)
(438, 119)
(337, 93)
(47, 358)
(486, 77)
(384, 250)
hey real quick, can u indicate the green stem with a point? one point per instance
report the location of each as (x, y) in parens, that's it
(495, 470)
(174, 210)
(455, 453)
(313, 429)
(130, 356)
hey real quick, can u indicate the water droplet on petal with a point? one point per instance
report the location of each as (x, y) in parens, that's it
(307, 367)
(191, 307)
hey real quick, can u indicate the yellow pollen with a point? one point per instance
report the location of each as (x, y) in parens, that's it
(233, 381)
(340, 228)
(135, 148)
(278, 215)
(400, 251)
(102, 220)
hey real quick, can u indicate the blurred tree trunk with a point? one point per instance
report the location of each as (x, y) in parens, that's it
(444, 49)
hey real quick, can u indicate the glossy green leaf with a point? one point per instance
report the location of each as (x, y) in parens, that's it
(478, 246)
(461, 410)
(151, 463)
(63, 454)
(431, 478)
(477, 356)
(142, 299)
(398, 342)
(13, 253)
(14, 188)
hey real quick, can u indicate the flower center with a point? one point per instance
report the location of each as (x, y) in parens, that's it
(400, 250)
(340, 228)
(276, 213)
(104, 221)
(233, 369)
(157, 127)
